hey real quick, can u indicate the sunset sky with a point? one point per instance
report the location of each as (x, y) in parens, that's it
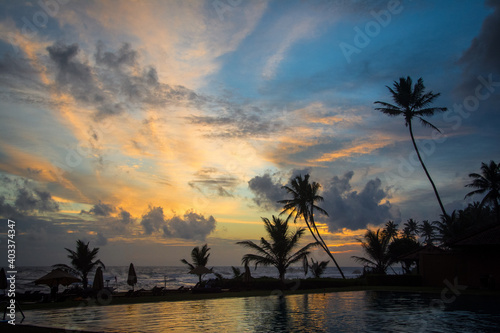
(151, 127)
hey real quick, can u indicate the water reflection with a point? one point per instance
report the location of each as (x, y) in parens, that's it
(337, 312)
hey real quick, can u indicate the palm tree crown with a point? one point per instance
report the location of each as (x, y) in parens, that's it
(391, 229)
(82, 261)
(303, 203)
(428, 231)
(411, 102)
(278, 251)
(317, 268)
(410, 229)
(487, 182)
(199, 257)
(376, 246)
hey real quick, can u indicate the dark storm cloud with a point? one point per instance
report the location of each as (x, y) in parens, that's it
(100, 209)
(125, 217)
(153, 220)
(28, 198)
(233, 121)
(267, 192)
(72, 73)
(351, 209)
(209, 180)
(125, 56)
(189, 226)
(112, 86)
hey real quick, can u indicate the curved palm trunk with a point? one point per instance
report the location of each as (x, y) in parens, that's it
(323, 244)
(425, 170)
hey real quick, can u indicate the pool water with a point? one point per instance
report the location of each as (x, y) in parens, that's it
(358, 311)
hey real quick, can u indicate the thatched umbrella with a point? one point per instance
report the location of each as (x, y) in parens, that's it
(98, 280)
(200, 271)
(132, 277)
(57, 277)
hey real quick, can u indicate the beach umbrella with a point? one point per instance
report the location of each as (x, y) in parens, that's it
(3, 280)
(57, 277)
(200, 271)
(98, 280)
(132, 277)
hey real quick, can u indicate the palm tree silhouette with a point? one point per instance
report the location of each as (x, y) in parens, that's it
(199, 258)
(391, 230)
(317, 268)
(302, 204)
(277, 252)
(488, 182)
(82, 261)
(410, 229)
(449, 227)
(412, 102)
(376, 246)
(428, 231)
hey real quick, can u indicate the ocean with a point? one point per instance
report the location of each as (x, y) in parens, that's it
(171, 277)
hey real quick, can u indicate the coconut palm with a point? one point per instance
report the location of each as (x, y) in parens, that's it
(199, 258)
(451, 226)
(83, 261)
(278, 251)
(410, 229)
(391, 230)
(376, 247)
(428, 231)
(303, 203)
(318, 268)
(411, 102)
(488, 182)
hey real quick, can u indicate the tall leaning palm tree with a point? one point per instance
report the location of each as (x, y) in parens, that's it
(83, 261)
(302, 204)
(487, 182)
(199, 258)
(412, 102)
(278, 251)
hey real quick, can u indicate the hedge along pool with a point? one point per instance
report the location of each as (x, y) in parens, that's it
(357, 311)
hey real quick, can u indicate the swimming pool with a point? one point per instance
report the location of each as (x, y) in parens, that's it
(357, 311)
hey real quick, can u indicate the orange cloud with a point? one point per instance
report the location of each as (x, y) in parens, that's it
(358, 147)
